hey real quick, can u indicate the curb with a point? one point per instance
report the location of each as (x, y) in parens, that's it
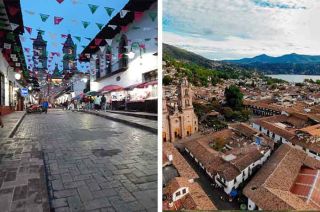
(14, 130)
(155, 118)
(142, 127)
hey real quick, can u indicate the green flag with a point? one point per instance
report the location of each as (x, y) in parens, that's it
(85, 24)
(153, 15)
(16, 49)
(78, 38)
(109, 10)
(84, 47)
(135, 27)
(147, 39)
(41, 31)
(44, 17)
(93, 8)
(100, 25)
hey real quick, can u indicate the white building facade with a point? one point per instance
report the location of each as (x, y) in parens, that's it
(139, 43)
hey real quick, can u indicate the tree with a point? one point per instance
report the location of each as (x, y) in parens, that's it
(234, 97)
(167, 80)
(218, 144)
(227, 112)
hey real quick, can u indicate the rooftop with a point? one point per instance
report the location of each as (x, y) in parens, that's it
(274, 187)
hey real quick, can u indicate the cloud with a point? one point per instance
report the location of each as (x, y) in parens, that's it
(278, 27)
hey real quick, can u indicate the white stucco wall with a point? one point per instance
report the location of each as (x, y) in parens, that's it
(9, 76)
(138, 65)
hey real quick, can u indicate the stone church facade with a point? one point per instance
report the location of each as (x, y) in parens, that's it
(179, 119)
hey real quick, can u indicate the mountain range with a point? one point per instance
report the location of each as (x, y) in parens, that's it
(286, 64)
(288, 58)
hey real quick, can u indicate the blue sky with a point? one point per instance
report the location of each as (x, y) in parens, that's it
(73, 12)
(229, 29)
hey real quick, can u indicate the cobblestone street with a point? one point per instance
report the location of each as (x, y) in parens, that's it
(94, 164)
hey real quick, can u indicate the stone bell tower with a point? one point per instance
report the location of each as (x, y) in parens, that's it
(184, 95)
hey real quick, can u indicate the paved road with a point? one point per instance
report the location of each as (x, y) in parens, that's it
(95, 164)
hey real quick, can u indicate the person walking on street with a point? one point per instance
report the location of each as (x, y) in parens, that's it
(97, 103)
(103, 102)
(1, 123)
(45, 106)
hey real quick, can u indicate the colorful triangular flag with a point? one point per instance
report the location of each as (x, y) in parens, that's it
(59, 1)
(102, 48)
(29, 30)
(97, 41)
(14, 26)
(123, 13)
(57, 20)
(109, 41)
(99, 25)
(112, 26)
(153, 15)
(78, 38)
(138, 16)
(109, 10)
(93, 8)
(85, 24)
(44, 17)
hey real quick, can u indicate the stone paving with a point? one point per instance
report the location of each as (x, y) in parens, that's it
(22, 179)
(142, 123)
(94, 164)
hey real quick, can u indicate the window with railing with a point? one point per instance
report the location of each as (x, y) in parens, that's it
(108, 60)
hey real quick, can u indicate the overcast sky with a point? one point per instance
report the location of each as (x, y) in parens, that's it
(233, 29)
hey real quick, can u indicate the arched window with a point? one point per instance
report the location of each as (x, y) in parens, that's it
(123, 58)
(108, 60)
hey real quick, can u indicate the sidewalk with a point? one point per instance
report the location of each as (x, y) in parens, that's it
(10, 122)
(142, 123)
(152, 116)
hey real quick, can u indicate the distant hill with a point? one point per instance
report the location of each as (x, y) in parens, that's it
(286, 64)
(186, 56)
(288, 58)
(190, 57)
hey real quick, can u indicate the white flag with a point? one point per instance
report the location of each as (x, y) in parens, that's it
(14, 26)
(109, 41)
(123, 13)
(14, 59)
(102, 48)
(87, 55)
(18, 64)
(13, 56)
(7, 46)
(112, 26)
(94, 56)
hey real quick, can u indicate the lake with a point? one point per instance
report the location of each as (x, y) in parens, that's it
(294, 77)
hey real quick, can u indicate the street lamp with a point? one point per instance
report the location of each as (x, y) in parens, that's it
(85, 80)
(17, 76)
(131, 55)
(30, 88)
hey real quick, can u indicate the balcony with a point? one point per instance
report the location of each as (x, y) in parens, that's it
(117, 67)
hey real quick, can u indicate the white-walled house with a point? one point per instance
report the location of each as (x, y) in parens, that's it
(230, 168)
(124, 54)
(130, 56)
(302, 137)
(8, 84)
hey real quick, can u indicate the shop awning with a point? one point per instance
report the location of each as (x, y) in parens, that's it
(109, 88)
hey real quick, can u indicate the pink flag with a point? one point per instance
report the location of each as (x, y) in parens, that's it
(138, 16)
(142, 46)
(60, 1)
(27, 49)
(124, 28)
(29, 30)
(120, 56)
(64, 36)
(57, 20)
(97, 41)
